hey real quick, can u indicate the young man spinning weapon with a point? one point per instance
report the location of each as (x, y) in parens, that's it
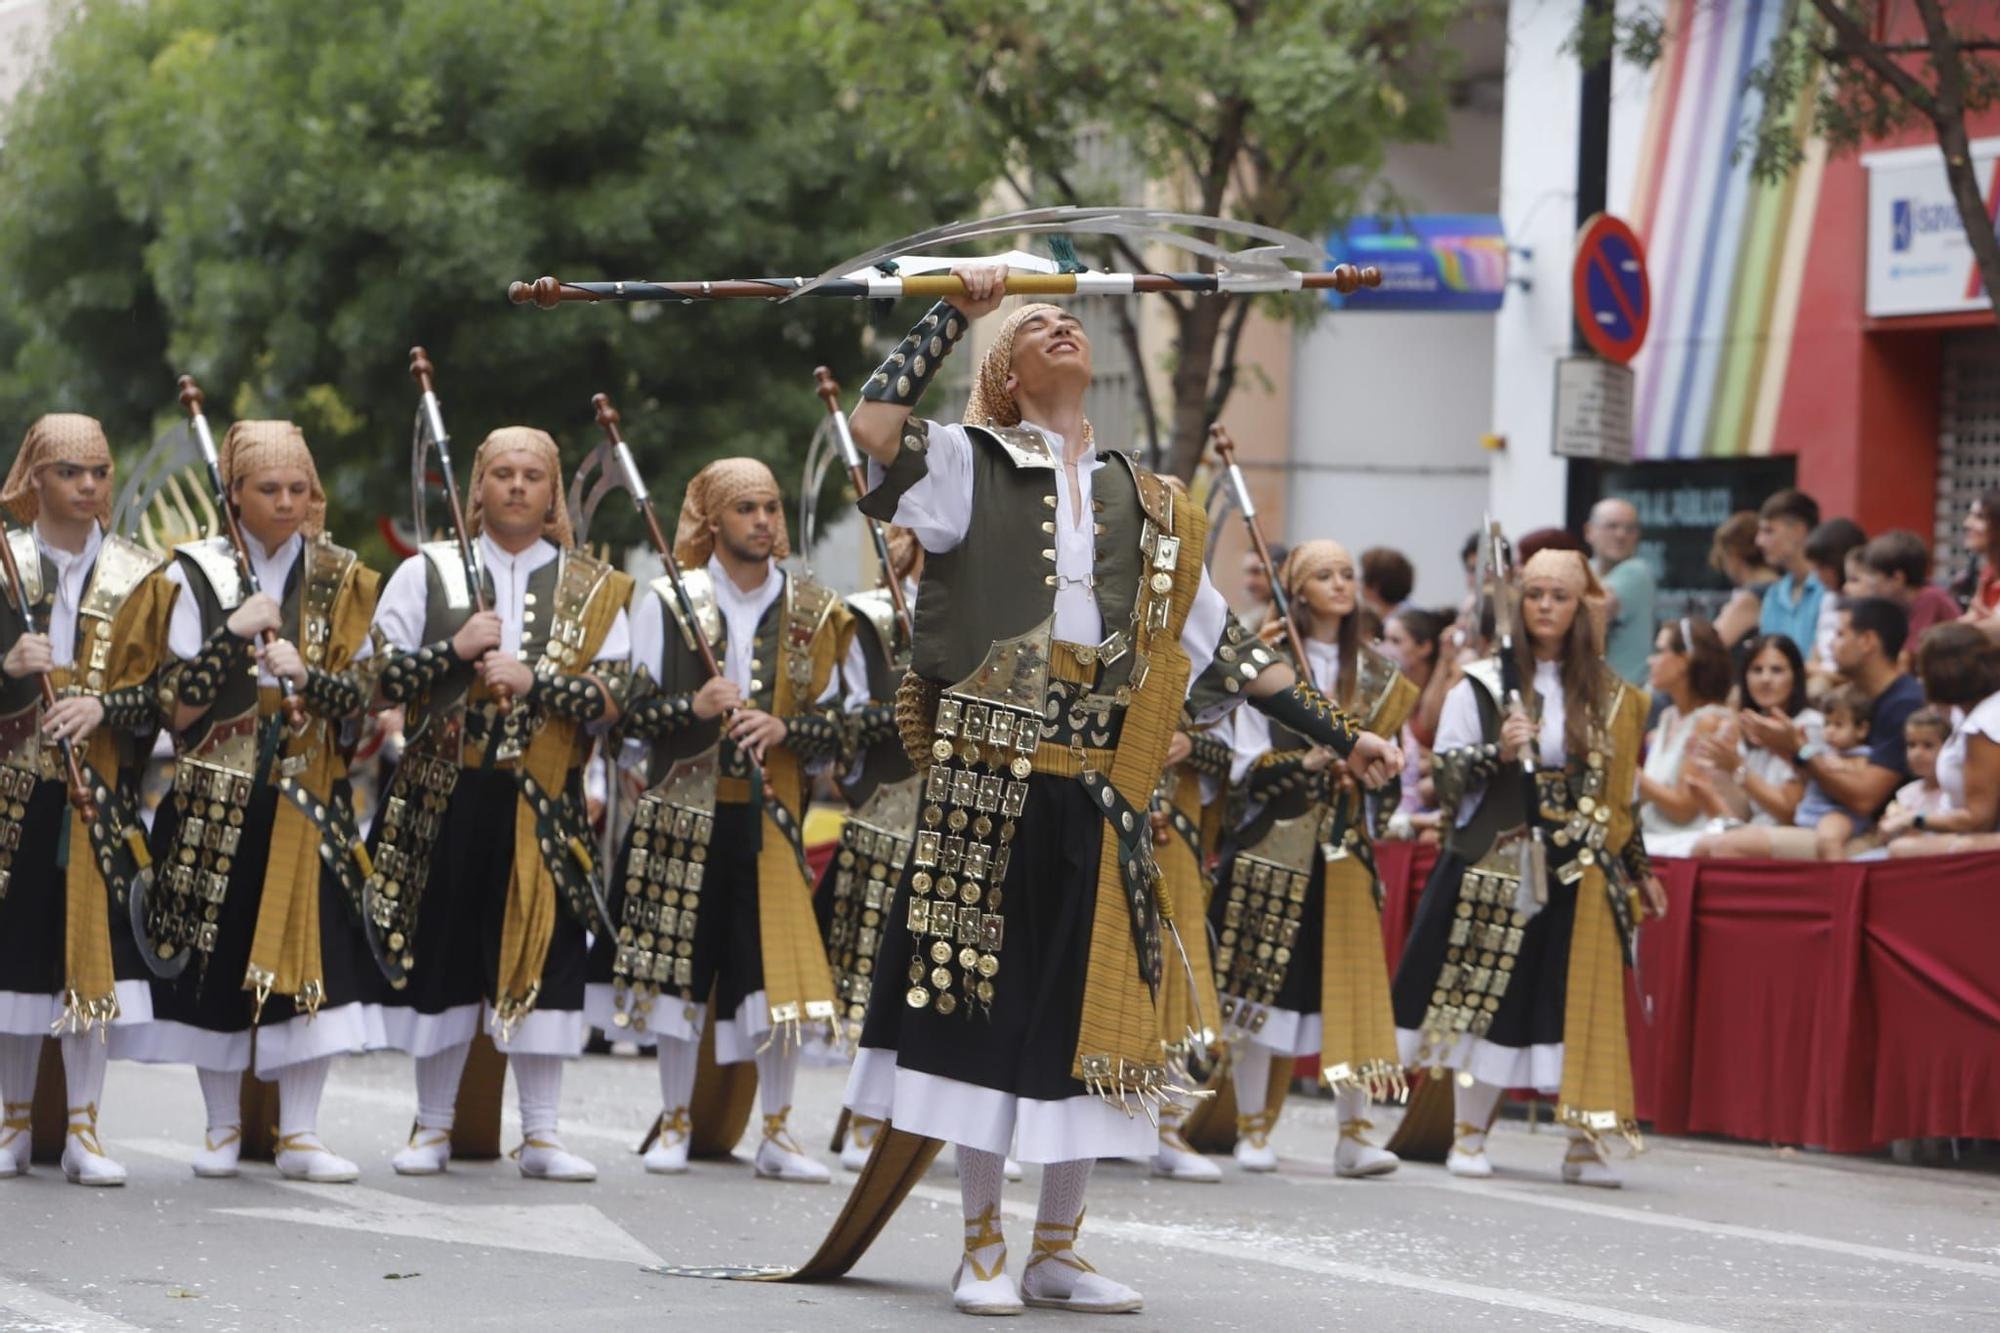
(1065, 621)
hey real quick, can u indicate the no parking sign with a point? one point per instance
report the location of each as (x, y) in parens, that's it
(1611, 294)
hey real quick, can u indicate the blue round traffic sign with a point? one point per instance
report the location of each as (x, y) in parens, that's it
(1613, 298)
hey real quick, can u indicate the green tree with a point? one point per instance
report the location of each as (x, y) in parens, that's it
(1845, 70)
(1276, 111)
(282, 198)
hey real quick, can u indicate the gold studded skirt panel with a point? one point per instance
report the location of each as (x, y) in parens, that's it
(220, 847)
(697, 922)
(1022, 1040)
(33, 903)
(462, 910)
(1480, 983)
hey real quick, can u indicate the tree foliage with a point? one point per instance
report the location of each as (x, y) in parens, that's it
(1277, 111)
(282, 198)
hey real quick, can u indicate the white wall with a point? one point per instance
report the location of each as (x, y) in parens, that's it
(1538, 205)
(1387, 409)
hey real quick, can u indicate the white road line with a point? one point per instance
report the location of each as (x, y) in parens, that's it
(1675, 1222)
(1220, 1244)
(54, 1312)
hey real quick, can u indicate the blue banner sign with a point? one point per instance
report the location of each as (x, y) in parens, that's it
(1436, 261)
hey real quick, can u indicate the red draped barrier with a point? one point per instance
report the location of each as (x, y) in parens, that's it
(1791, 1002)
(1840, 1006)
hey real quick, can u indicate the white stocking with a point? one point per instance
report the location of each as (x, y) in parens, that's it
(222, 1090)
(437, 1086)
(777, 1072)
(1474, 1105)
(20, 1062)
(981, 1176)
(299, 1089)
(678, 1061)
(538, 1081)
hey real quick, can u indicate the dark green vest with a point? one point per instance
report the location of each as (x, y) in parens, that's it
(999, 582)
(216, 583)
(683, 672)
(448, 605)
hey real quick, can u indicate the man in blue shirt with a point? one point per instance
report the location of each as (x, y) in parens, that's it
(1613, 535)
(1791, 605)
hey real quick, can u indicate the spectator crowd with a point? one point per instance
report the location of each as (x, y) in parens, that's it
(1843, 702)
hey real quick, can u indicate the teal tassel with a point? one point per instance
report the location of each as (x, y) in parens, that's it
(1063, 251)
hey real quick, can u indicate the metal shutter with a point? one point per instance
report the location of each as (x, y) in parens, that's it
(1968, 437)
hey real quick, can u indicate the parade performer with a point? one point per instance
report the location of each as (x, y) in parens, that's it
(881, 790)
(69, 960)
(484, 885)
(714, 907)
(260, 871)
(1299, 916)
(1513, 976)
(1064, 619)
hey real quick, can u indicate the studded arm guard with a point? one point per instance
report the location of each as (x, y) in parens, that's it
(658, 716)
(902, 379)
(813, 736)
(335, 695)
(200, 677)
(1455, 772)
(408, 677)
(1312, 715)
(577, 698)
(130, 709)
(870, 727)
(1210, 756)
(1277, 773)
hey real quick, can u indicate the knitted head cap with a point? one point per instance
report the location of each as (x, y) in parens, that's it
(990, 403)
(59, 437)
(714, 489)
(523, 440)
(251, 447)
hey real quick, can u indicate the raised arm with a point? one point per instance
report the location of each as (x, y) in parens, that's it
(891, 393)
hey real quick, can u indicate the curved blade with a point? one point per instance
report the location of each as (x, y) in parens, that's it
(420, 456)
(819, 457)
(1146, 225)
(162, 461)
(596, 477)
(1221, 500)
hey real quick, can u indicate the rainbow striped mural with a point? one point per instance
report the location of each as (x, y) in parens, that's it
(1727, 255)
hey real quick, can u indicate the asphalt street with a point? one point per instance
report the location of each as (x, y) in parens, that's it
(1704, 1236)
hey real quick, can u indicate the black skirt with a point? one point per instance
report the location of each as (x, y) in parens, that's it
(34, 913)
(728, 939)
(1026, 1043)
(211, 995)
(1302, 991)
(464, 909)
(1531, 1012)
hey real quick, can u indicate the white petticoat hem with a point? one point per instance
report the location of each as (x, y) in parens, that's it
(1065, 1130)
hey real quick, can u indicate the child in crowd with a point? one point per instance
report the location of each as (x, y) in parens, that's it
(1834, 825)
(1923, 736)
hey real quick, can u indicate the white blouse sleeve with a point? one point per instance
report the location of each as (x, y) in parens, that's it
(184, 627)
(938, 507)
(399, 612)
(1202, 631)
(648, 634)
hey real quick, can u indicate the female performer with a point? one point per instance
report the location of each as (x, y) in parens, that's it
(1512, 976)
